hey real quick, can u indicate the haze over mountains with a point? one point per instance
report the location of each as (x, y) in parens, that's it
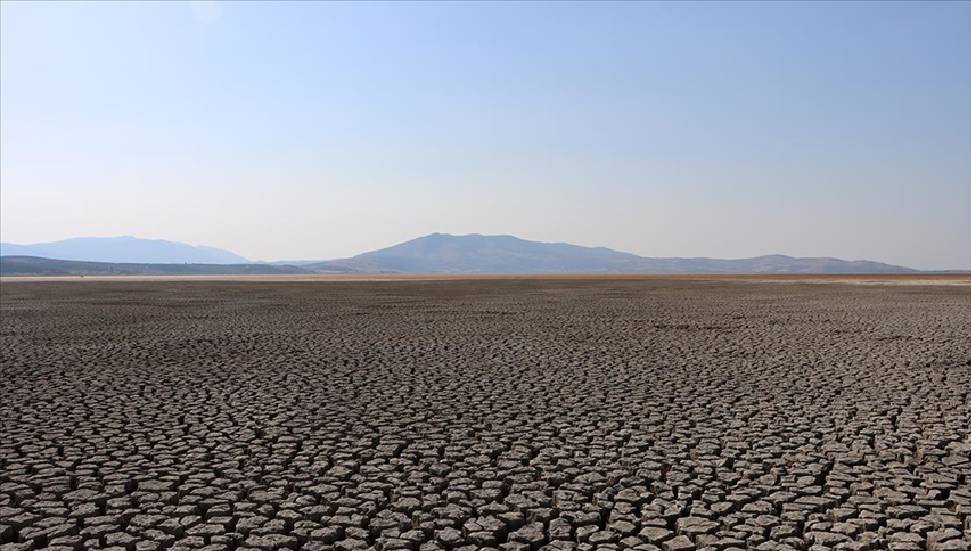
(473, 253)
(124, 249)
(435, 253)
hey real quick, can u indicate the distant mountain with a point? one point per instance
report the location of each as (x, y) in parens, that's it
(124, 249)
(444, 253)
(32, 265)
(435, 253)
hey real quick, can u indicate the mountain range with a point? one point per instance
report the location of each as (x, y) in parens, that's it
(435, 253)
(124, 249)
(474, 253)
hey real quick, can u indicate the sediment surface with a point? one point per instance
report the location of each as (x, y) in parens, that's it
(466, 415)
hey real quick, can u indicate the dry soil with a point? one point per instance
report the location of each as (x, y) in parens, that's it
(491, 414)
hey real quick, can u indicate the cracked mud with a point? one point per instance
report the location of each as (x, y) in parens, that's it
(466, 415)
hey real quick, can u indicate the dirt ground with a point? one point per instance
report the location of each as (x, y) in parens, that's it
(512, 414)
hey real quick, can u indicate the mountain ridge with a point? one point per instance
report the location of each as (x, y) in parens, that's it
(434, 253)
(477, 253)
(124, 249)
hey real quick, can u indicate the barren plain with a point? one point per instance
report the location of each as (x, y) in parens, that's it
(460, 415)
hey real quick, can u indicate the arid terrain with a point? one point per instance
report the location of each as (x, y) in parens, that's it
(512, 414)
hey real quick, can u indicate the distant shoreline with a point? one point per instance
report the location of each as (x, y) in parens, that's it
(929, 278)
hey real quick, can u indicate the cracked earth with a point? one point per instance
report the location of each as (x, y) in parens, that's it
(481, 415)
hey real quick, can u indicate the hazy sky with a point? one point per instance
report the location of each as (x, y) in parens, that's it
(318, 130)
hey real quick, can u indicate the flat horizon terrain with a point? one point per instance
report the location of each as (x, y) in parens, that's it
(929, 278)
(460, 413)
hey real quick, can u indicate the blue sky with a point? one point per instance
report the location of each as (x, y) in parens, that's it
(319, 130)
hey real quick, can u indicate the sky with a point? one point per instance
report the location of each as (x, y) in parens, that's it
(320, 130)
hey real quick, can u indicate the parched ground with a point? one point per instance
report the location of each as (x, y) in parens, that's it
(465, 415)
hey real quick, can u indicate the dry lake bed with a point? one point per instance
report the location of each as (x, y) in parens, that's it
(512, 414)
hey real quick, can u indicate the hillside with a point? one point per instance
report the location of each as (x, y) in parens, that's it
(124, 249)
(444, 253)
(435, 253)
